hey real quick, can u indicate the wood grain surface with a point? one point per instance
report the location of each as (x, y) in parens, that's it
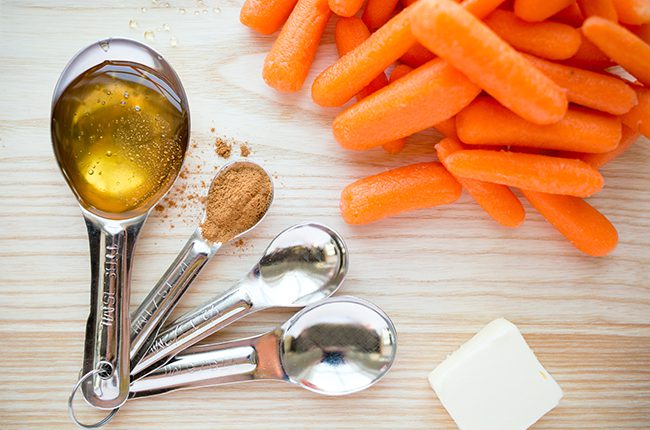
(441, 274)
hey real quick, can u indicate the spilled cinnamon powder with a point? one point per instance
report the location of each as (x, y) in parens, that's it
(238, 199)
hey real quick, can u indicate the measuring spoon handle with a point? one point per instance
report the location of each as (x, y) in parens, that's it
(106, 348)
(195, 326)
(163, 298)
(216, 364)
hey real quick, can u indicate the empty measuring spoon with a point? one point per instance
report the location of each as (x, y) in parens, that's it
(119, 162)
(163, 298)
(335, 347)
(303, 265)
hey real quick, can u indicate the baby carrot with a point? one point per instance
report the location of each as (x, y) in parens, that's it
(599, 91)
(399, 72)
(569, 15)
(546, 39)
(426, 96)
(603, 8)
(266, 16)
(621, 45)
(469, 45)
(535, 10)
(417, 55)
(447, 127)
(586, 228)
(496, 199)
(345, 8)
(486, 122)
(633, 11)
(481, 8)
(530, 171)
(342, 80)
(378, 12)
(628, 137)
(287, 64)
(406, 188)
(350, 33)
(589, 56)
(638, 118)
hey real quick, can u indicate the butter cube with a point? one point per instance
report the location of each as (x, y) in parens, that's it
(495, 382)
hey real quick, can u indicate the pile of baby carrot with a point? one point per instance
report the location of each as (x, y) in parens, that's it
(523, 90)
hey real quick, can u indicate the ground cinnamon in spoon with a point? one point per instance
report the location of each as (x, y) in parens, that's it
(238, 198)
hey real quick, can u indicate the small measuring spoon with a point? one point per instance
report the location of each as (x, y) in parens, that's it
(163, 298)
(335, 347)
(303, 265)
(112, 236)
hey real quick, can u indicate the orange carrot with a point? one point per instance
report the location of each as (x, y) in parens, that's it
(469, 45)
(497, 200)
(621, 45)
(426, 96)
(578, 221)
(399, 72)
(397, 145)
(628, 137)
(415, 186)
(447, 127)
(570, 15)
(417, 55)
(599, 91)
(480, 8)
(350, 33)
(407, 3)
(266, 16)
(342, 80)
(547, 39)
(486, 122)
(287, 64)
(589, 56)
(603, 8)
(633, 11)
(378, 12)
(638, 118)
(535, 10)
(530, 171)
(345, 8)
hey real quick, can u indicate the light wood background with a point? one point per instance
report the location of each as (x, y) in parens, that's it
(441, 274)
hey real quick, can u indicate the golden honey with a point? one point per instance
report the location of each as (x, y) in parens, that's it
(120, 134)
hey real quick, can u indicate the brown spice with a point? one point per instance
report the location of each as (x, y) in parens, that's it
(237, 200)
(244, 150)
(223, 148)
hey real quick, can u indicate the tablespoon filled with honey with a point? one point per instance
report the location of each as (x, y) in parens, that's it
(120, 129)
(239, 197)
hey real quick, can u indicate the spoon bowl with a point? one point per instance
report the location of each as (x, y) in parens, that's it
(304, 264)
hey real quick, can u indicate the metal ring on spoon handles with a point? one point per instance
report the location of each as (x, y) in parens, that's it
(100, 370)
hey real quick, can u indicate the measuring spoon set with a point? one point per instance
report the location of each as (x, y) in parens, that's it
(334, 346)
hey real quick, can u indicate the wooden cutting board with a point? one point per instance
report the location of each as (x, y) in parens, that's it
(441, 274)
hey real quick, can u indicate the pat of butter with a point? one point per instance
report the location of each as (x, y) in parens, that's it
(495, 382)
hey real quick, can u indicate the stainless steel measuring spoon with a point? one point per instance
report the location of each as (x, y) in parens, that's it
(335, 347)
(105, 380)
(303, 265)
(163, 298)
